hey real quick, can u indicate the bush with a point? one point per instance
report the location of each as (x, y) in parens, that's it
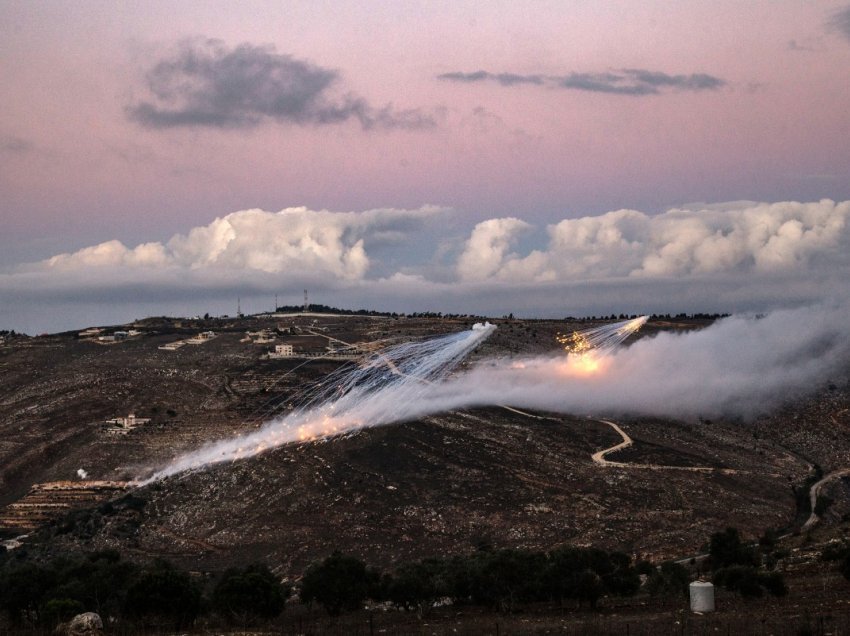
(504, 578)
(339, 583)
(835, 551)
(670, 579)
(750, 583)
(24, 589)
(163, 594)
(59, 610)
(774, 583)
(645, 567)
(844, 567)
(739, 578)
(419, 585)
(245, 596)
(585, 574)
(726, 549)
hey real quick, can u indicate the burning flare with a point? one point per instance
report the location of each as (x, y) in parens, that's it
(588, 349)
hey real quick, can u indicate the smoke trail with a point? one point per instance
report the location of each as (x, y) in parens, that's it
(737, 367)
(740, 367)
(601, 340)
(387, 387)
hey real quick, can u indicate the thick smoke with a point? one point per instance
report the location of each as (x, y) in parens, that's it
(386, 387)
(741, 366)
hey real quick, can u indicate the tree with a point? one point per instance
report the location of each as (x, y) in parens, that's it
(726, 549)
(247, 595)
(739, 578)
(569, 571)
(774, 583)
(24, 588)
(418, 585)
(164, 594)
(670, 579)
(58, 610)
(339, 583)
(504, 578)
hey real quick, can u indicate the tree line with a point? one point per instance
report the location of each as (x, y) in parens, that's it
(158, 595)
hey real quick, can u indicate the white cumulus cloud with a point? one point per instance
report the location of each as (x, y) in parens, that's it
(487, 248)
(744, 238)
(294, 239)
(723, 257)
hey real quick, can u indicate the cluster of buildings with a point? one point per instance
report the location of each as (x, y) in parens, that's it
(96, 334)
(309, 349)
(201, 338)
(123, 425)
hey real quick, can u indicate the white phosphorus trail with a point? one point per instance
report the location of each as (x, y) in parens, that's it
(739, 367)
(588, 348)
(385, 387)
(603, 339)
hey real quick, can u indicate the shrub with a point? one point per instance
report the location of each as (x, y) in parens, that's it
(247, 595)
(726, 549)
(418, 585)
(339, 583)
(164, 594)
(669, 580)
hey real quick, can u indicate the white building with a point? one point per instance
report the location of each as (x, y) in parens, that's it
(282, 351)
(121, 425)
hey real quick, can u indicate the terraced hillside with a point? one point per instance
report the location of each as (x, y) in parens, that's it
(444, 484)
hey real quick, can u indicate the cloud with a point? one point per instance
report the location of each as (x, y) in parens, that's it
(487, 248)
(632, 81)
(14, 145)
(840, 21)
(205, 84)
(292, 240)
(741, 239)
(724, 257)
(505, 79)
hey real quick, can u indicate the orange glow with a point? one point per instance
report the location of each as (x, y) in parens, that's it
(584, 365)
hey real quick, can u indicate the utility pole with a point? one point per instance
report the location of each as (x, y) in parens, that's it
(306, 302)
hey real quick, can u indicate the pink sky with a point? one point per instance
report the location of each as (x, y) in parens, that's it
(76, 169)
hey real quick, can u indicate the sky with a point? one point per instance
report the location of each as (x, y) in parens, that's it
(538, 158)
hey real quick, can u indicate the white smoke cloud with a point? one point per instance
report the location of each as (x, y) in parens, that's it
(743, 238)
(741, 366)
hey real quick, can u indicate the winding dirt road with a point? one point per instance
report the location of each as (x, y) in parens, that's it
(815, 491)
(599, 457)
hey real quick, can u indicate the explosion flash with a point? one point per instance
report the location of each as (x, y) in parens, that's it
(588, 349)
(385, 387)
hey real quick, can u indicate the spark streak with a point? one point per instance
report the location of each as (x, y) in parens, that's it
(385, 387)
(588, 349)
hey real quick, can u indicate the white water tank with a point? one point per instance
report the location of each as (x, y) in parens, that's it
(702, 596)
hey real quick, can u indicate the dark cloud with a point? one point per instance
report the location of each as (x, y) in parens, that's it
(205, 84)
(794, 45)
(505, 79)
(841, 21)
(14, 145)
(624, 82)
